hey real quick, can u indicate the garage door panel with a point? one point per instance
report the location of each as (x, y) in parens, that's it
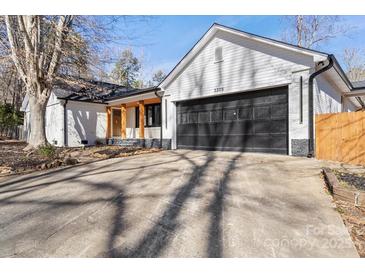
(238, 127)
(210, 129)
(254, 121)
(279, 141)
(262, 112)
(262, 126)
(278, 126)
(278, 111)
(188, 129)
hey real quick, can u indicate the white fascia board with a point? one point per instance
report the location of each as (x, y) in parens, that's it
(356, 93)
(318, 56)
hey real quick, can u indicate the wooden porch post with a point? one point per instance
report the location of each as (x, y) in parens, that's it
(123, 120)
(141, 119)
(108, 120)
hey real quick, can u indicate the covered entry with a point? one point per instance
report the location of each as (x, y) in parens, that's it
(251, 121)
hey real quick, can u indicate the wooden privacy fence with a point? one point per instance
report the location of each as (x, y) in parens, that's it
(14, 132)
(341, 137)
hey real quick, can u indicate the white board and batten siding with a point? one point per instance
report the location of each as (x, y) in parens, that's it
(246, 66)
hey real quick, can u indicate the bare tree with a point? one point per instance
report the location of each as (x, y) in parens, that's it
(12, 88)
(158, 76)
(312, 30)
(127, 70)
(37, 45)
(354, 59)
(45, 49)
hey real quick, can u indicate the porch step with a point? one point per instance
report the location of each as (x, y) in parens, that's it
(124, 142)
(147, 143)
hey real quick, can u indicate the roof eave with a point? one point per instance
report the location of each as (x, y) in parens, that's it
(140, 92)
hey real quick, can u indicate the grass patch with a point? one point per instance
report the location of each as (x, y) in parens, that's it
(47, 151)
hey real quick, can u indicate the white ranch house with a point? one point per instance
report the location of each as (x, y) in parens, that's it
(232, 91)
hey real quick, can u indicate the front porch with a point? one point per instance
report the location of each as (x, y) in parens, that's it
(132, 122)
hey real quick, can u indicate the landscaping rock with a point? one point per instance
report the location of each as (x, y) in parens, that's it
(75, 154)
(14, 158)
(5, 169)
(57, 163)
(71, 161)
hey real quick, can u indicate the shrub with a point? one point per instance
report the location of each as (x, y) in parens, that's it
(9, 116)
(48, 151)
(99, 141)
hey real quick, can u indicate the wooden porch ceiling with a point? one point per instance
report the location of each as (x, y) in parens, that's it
(136, 103)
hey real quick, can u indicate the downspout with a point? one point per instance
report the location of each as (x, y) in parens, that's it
(310, 104)
(65, 123)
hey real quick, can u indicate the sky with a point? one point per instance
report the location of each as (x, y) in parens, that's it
(161, 41)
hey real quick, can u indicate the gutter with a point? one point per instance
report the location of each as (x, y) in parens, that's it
(310, 104)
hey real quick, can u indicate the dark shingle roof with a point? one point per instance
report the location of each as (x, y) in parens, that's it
(85, 90)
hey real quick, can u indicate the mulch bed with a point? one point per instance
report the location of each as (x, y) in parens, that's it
(12, 156)
(353, 179)
(340, 183)
(354, 219)
(14, 160)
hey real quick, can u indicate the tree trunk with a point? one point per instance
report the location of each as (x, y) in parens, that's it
(37, 135)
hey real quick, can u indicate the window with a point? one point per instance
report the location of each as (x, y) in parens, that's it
(183, 118)
(204, 117)
(152, 115)
(216, 116)
(193, 117)
(218, 54)
(245, 113)
(262, 112)
(229, 114)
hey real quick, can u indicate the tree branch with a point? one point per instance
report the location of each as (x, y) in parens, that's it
(10, 31)
(62, 27)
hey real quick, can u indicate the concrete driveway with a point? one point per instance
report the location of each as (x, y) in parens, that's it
(174, 204)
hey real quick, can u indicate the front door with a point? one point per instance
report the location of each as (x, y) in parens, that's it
(116, 117)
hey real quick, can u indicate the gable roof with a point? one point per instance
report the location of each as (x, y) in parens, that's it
(218, 27)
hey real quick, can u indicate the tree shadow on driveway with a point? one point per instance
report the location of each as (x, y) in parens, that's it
(157, 238)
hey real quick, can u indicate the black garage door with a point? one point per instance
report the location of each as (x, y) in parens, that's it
(251, 121)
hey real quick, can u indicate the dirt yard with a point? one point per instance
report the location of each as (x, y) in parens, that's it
(14, 160)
